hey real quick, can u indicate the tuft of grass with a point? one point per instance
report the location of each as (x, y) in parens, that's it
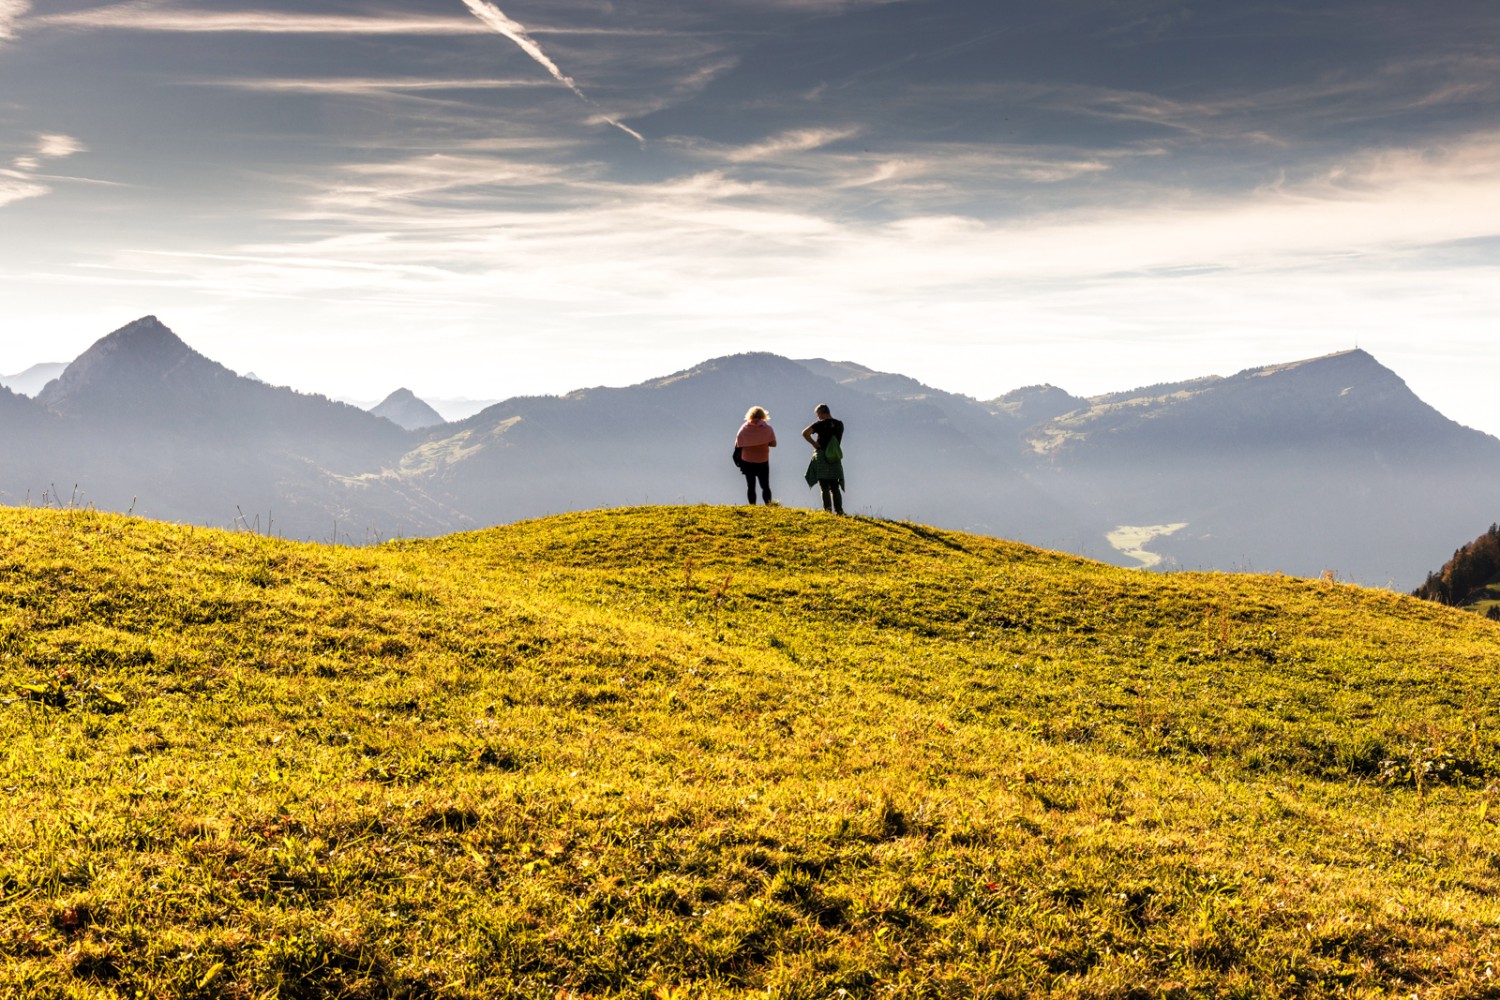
(724, 752)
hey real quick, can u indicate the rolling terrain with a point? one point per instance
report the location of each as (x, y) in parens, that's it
(727, 752)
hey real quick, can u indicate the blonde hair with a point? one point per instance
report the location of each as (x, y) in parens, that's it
(757, 413)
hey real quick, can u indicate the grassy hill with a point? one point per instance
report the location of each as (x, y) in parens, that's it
(732, 752)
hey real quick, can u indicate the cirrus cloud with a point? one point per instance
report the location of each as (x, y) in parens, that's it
(11, 12)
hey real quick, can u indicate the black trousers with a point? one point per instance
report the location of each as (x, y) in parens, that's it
(754, 471)
(833, 497)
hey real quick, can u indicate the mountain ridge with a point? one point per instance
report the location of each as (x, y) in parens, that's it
(1298, 466)
(33, 379)
(404, 409)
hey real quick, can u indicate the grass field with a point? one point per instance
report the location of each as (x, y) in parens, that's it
(728, 752)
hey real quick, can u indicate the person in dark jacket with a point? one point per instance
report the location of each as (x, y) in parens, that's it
(827, 466)
(754, 442)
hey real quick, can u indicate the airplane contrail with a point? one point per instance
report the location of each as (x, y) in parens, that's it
(516, 32)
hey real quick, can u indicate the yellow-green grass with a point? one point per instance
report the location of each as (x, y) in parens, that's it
(732, 752)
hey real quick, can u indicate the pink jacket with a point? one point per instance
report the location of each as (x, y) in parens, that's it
(755, 441)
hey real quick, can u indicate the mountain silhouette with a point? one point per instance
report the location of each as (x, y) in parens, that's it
(404, 409)
(147, 423)
(32, 380)
(142, 369)
(1349, 399)
(669, 440)
(1330, 463)
(144, 378)
(1332, 460)
(1034, 404)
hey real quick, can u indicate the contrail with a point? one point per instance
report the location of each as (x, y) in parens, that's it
(516, 32)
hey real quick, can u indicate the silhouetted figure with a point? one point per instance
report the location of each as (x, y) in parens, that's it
(826, 469)
(753, 444)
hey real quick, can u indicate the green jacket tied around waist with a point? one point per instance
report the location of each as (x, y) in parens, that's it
(824, 469)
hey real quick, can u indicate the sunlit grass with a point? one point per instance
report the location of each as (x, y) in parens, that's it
(727, 752)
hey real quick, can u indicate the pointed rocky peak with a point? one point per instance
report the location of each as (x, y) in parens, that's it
(404, 409)
(146, 344)
(141, 366)
(146, 334)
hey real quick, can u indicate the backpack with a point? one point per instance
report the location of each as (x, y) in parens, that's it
(739, 463)
(833, 451)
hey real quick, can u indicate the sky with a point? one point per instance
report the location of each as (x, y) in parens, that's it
(487, 199)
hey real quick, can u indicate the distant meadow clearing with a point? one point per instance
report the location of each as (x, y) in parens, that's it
(727, 752)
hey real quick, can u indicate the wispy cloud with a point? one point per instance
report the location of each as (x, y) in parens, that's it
(792, 141)
(516, 32)
(148, 16)
(18, 186)
(676, 250)
(11, 12)
(20, 181)
(717, 262)
(367, 85)
(822, 6)
(905, 177)
(55, 146)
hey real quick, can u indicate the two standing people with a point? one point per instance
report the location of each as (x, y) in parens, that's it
(756, 438)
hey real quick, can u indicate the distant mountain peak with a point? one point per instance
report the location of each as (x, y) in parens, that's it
(1342, 375)
(34, 379)
(1355, 359)
(1033, 404)
(147, 341)
(405, 409)
(749, 367)
(134, 365)
(141, 329)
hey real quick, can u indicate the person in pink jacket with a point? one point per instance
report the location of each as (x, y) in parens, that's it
(753, 444)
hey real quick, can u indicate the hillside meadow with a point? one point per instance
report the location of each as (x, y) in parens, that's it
(727, 752)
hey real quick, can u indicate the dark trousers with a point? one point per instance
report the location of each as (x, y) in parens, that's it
(833, 497)
(757, 471)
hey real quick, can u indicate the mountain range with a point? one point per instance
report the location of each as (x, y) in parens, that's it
(32, 380)
(1328, 464)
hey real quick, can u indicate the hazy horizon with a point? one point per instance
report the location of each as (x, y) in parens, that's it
(454, 408)
(484, 199)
